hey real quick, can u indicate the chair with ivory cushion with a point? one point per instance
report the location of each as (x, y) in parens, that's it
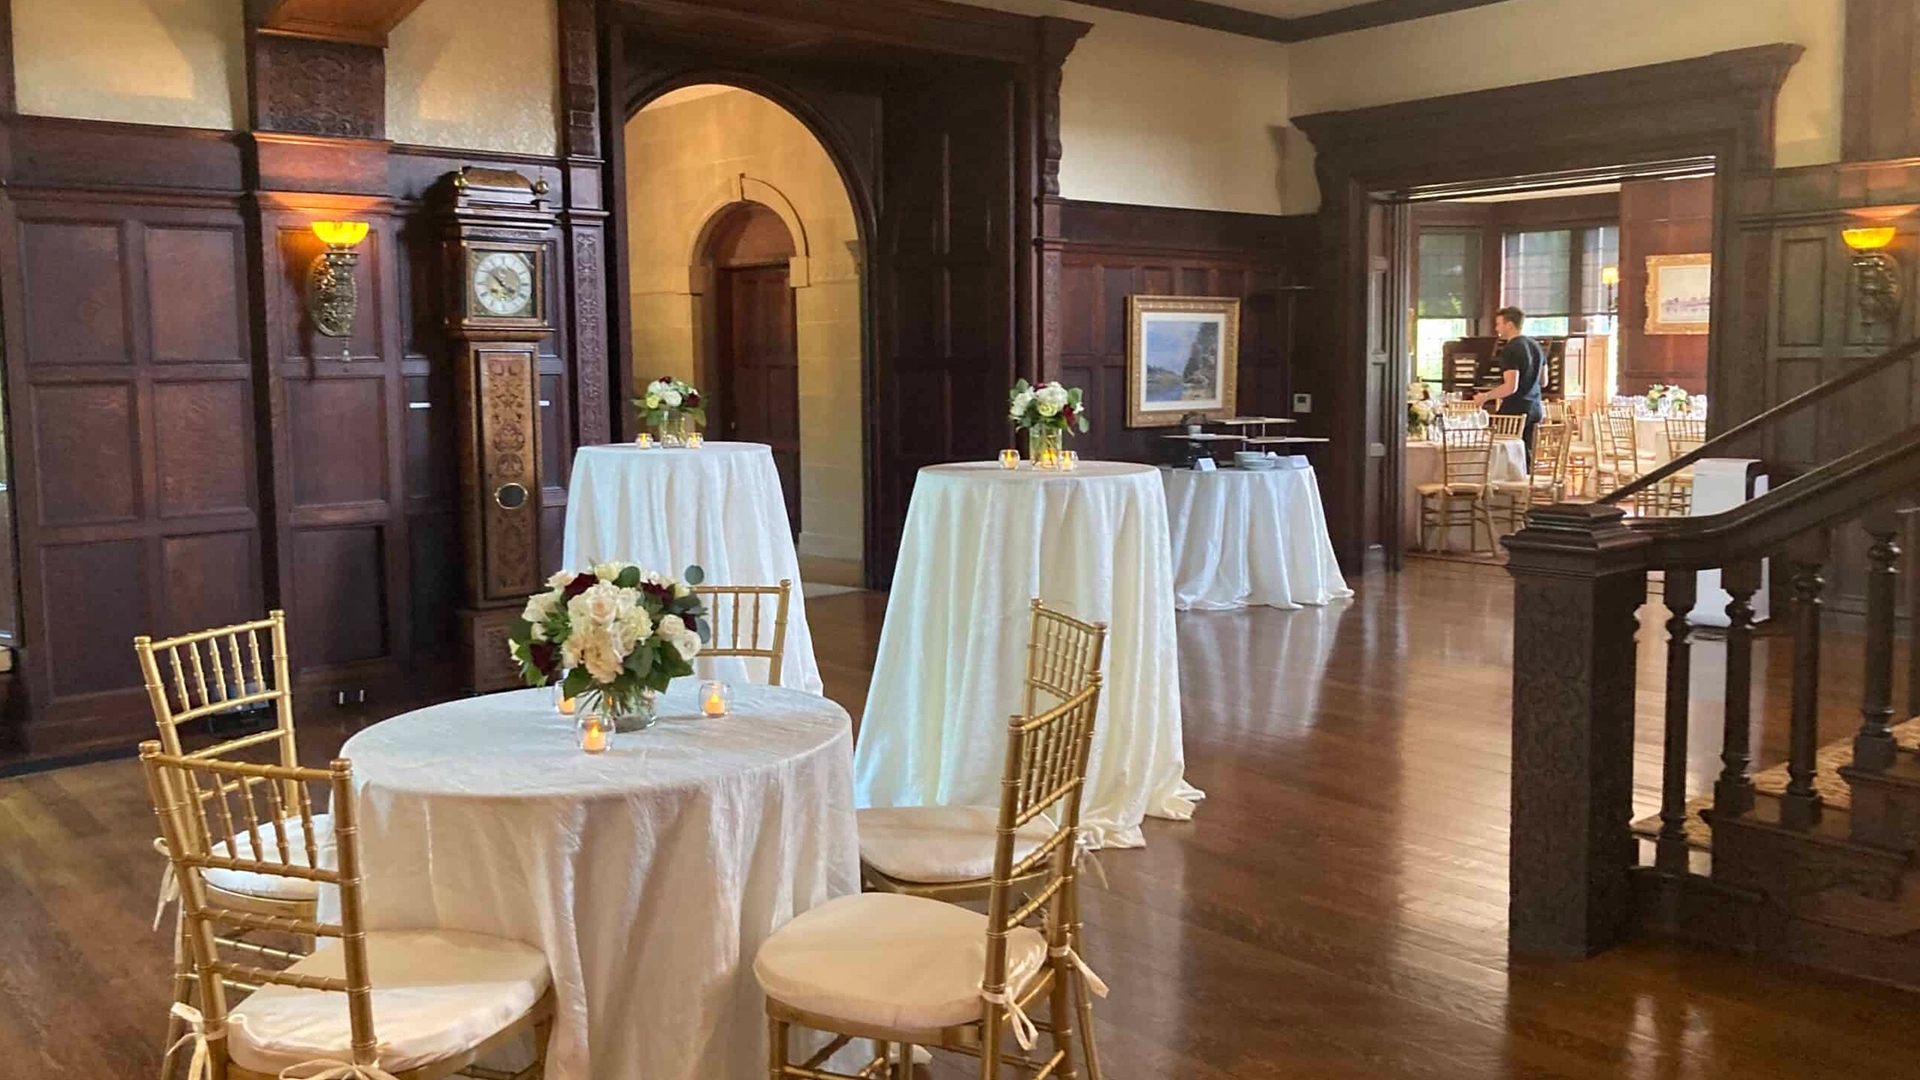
(911, 971)
(946, 852)
(203, 676)
(1459, 497)
(411, 1004)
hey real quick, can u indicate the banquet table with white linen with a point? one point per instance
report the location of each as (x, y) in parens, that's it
(980, 543)
(718, 506)
(1422, 465)
(1250, 536)
(648, 874)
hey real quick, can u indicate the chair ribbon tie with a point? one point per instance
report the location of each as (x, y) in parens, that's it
(1024, 1030)
(334, 1070)
(1084, 845)
(1094, 982)
(200, 1065)
(169, 885)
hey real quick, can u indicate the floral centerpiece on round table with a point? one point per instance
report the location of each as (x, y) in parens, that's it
(1046, 413)
(1667, 400)
(669, 405)
(613, 636)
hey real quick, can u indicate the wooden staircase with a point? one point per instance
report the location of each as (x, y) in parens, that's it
(1829, 882)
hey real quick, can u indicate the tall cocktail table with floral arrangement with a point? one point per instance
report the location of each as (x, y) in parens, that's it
(669, 406)
(1047, 413)
(613, 636)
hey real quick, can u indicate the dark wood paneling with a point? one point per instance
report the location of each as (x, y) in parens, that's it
(359, 22)
(92, 155)
(1880, 112)
(1660, 217)
(76, 291)
(1238, 20)
(85, 438)
(203, 461)
(1110, 251)
(339, 594)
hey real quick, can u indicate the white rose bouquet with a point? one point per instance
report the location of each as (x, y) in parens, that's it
(1664, 399)
(1050, 406)
(614, 635)
(668, 402)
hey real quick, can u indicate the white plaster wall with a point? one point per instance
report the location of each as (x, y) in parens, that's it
(175, 62)
(476, 75)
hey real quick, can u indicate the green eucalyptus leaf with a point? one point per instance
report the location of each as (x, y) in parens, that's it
(629, 578)
(578, 682)
(693, 575)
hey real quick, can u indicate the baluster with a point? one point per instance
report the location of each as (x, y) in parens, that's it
(1873, 746)
(1670, 851)
(1800, 806)
(1733, 792)
(1913, 611)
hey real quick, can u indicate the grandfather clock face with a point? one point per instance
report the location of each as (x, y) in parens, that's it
(503, 283)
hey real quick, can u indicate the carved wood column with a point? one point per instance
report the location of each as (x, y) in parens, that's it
(1057, 37)
(1579, 579)
(598, 410)
(1880, 110)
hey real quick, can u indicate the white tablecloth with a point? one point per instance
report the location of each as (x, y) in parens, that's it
(980, 543)
(1422, 466)
(649, 875)
(719, 507)
(1245, 537)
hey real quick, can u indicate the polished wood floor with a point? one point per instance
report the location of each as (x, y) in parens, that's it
(1336, 910)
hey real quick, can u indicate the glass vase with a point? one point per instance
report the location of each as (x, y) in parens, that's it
(1040, 440)
(673, 430)
(630, 712)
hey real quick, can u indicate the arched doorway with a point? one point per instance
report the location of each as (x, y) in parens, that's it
(750, 356)
(745, 262)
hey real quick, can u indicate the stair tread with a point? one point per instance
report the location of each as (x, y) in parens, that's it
(1905, 772)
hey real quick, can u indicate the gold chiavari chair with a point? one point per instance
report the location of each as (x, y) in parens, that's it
(1460, 496)
(1464, 414)
(946, 852)
(1504, 426)
(440, 999)
(909, 971)
(1684, 436)
(202, 676)
(1621, 460)
(1509, 500)
(742, 630)
(1582, 456)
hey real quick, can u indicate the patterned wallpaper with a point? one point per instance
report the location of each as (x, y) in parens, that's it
(173, 62)
(476, 75)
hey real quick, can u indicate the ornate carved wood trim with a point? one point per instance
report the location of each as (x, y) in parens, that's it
(1237, 20)
(8, 103)
(933, 25)
(314, 87)
(583, 226)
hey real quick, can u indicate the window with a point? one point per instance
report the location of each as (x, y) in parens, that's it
(1536, 276)
(1449, 296)
(1599, 252)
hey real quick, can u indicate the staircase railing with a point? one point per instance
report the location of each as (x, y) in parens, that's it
(1581, 576)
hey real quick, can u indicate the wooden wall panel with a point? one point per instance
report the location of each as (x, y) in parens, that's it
(1660, 217)
(102, 588)
(210, 579)
(76, 292)
(339, 593)
(203, 461)
(84, 435)
(1111, 252)
(1880, 113)
(192, 322)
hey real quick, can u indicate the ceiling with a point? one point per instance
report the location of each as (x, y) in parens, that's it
(1288, 20)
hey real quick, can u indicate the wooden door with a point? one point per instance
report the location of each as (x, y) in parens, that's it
(760, 370)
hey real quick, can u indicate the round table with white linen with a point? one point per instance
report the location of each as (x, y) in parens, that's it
(1422, 466)
(980, 543)
(1250, 536)
(649, 874)
(719, 507)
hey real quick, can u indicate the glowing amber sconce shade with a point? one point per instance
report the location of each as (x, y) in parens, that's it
(1868, 238)
(1610, 275)
(340, 233)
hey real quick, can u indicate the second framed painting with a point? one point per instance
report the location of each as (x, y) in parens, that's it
(1183, 357)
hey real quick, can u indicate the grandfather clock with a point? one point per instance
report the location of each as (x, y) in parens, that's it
(496, 255)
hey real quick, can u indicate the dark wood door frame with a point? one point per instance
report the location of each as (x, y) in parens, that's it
(1719, 106)
(830, 63)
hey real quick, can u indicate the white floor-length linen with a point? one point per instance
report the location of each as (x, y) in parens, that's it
(1422, 465)
(980, 543)
(1250, 537)
(649, 875)
(719, 506)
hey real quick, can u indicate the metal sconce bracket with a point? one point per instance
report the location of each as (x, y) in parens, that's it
(332, 297)
(1876, 278)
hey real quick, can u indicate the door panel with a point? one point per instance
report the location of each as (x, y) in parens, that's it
(760, 370)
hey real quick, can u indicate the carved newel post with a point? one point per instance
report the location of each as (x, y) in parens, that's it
(1579, 577)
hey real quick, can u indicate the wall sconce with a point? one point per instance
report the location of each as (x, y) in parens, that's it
(331, 295)
(1876, 274)
(1610, 278)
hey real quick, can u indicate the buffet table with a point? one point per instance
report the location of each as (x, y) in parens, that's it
(1246, 536)
(980, 542)
(719, 507)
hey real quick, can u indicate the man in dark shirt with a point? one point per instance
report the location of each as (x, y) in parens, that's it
(1522, 360)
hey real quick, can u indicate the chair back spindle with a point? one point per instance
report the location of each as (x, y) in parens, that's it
(737, 614)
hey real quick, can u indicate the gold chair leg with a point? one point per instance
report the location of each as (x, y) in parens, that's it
(903, 1069)
(1062, 1010)
(997, 1017)
(776, 1049)
(184, 979)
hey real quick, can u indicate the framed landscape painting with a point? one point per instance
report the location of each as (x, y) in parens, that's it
(1183, 356)
(1679, 293)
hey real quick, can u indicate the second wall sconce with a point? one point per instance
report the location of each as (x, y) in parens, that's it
(1876, 274)
(331, 296)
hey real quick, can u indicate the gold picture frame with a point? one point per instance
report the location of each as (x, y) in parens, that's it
(1183, 358)
(1679, 293)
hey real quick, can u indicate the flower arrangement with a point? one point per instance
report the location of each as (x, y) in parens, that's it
(1046, 414)
(1421, 414)
(669, 404)
(1663, 399)
(613, 636)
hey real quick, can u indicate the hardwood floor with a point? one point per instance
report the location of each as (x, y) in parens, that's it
(1336, 910)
